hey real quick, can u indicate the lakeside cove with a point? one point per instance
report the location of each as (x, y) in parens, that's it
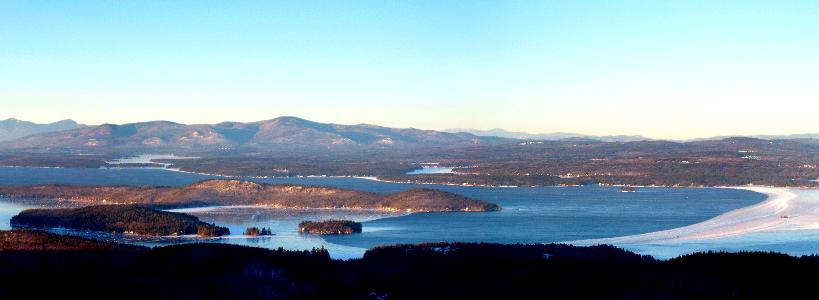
(529, 215)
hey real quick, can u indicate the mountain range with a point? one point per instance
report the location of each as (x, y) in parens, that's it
(803, 136)
(278, 133)
(568, 136)
(283, 133)
(555, 136)
(13, 129)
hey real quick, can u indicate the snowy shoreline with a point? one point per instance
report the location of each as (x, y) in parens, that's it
(788, 215)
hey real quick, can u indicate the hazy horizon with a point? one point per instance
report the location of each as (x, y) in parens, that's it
(469, 130)
(661, 70)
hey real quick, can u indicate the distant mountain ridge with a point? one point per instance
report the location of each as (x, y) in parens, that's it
(13, 129)
(279, 134)
(282, 132)
(555, 136)
(568, 136)
(802, 136)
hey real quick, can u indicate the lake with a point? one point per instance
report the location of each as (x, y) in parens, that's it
(529, 215)
(430, 170)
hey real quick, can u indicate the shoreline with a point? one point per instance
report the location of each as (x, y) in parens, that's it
(50, 203)
(375, 178)
(779, 202)
(787, 213)
(204, 209)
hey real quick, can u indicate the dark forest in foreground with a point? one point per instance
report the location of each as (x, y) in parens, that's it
(427, 271)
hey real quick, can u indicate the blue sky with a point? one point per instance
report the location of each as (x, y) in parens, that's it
(657, 68)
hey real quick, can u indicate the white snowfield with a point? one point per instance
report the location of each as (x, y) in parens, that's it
(787, 220)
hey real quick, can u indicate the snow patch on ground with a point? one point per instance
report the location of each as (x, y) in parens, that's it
(788, 217)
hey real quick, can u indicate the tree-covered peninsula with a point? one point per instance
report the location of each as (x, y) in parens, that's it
(237, 192)
(130, 219)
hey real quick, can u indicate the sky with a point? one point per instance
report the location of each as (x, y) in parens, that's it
(662, 69)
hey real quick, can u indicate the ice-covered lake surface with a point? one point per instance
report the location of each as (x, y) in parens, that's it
(529, 215)
(787, 221)
(431, 170)
(145, 159)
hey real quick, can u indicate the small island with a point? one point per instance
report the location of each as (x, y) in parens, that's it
(127, 219)
(330, 227)
(256, 231)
